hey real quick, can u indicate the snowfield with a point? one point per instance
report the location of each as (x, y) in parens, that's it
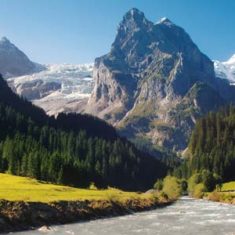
(226, 69)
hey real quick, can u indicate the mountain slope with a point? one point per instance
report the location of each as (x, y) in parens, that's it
(13, 62)
(211, 146)
(149, 84)
(72, 149)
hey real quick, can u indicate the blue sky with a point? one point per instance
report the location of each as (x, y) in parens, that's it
(77, 31)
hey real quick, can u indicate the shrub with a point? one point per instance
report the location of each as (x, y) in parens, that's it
(92, 186)
(199, 190)
(158, 185)
(193, 181)
(171, 186)
(214, 196)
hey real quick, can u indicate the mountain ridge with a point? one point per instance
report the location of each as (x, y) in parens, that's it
(152, 85)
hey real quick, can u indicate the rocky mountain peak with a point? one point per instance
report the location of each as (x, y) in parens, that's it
(154, 82)
(13, 62)
(4, 40)
(5, 44)
(133, 20)
(134, 16)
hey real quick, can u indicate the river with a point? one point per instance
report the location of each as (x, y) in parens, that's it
(187, 216)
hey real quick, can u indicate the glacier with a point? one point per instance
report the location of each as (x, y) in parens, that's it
(58, 88)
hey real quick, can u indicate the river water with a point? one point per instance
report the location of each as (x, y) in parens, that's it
(187, 216)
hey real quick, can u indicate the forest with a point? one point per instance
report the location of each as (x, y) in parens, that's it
(72, 149)
(212, 147)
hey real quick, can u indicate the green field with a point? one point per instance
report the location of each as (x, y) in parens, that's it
(16, 188)
(227, 193)
(230, 186)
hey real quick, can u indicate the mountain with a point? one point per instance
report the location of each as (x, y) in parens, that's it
(71, 149)
(58, 88)
(55, 88)
(154, 83)
(226, 69)
(13, 62)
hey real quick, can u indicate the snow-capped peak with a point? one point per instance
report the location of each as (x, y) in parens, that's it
(165, 20)
(231, 61)
(226, 69)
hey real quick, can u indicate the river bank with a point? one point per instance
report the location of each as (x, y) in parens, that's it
(185, 216)
(223, 197)
(19, 215)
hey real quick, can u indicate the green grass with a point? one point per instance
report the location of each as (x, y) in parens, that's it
(226, 195)
(228, 186)
(16, 188)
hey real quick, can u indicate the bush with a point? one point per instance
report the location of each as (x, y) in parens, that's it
(193, 181)
(172, 187)
(199, 190)
(158, 185)
(206, 181)
(214, 196)
(92, 186)
(163, 196)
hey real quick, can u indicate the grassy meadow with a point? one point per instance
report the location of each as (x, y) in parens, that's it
(230, 186)
(227, 193)
(16, 188)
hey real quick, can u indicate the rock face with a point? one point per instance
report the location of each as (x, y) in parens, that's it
(14, 62)
(154, 82)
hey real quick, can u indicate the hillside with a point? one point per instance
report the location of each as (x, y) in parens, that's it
(212, 146)
(212, 143)
(72, 149)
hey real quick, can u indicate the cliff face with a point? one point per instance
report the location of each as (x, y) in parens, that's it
(154, 82)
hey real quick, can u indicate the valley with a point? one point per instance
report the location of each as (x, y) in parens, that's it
(147, 127)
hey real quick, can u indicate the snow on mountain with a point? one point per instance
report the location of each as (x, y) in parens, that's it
(226, 69)
(59, 88)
